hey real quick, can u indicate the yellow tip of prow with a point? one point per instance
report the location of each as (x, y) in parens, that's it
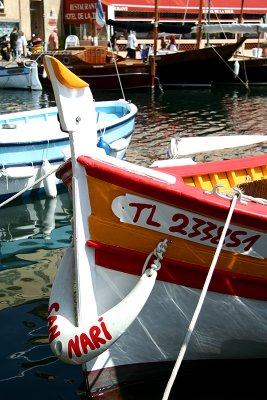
(64, 75)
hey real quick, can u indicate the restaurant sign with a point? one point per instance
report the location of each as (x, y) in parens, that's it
(79, 11)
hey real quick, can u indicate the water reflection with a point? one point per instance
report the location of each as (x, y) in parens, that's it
(30, 367)
(33, 233)
(196, 113)
(18, 100)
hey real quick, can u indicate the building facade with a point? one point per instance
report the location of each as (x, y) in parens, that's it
(37, 17)
(77, 17)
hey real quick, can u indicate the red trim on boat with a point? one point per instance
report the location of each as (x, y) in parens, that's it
(185, 274)
(251, 215)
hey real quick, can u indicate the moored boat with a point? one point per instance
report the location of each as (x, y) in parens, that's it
(32, 143)
(106, 71)
(149, 244)
(21, 76)
(195, 68)
(100, 68)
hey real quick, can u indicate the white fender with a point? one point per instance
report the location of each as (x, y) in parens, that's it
(79, 344)
(18, 172)
(119, 144)
(44, 74)
(35, 82)
(50, 181)
(236, 68)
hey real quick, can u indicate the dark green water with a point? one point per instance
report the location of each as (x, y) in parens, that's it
(35, 232)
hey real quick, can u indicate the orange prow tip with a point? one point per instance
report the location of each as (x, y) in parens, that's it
(64, 75)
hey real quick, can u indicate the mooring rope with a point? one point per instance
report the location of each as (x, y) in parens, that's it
(200, 302)
(228, 66)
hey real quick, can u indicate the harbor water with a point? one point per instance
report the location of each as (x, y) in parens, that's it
(35, 232)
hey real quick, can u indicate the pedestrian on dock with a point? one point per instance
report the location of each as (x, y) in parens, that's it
(21, 45)
(53, 40)
(172, 44)
(131, 45)
(13, 39)
(113, 40)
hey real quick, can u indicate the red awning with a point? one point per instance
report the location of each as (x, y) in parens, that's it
(191, 6)
(81, 11)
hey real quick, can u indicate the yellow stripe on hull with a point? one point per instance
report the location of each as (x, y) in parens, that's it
(106, 228)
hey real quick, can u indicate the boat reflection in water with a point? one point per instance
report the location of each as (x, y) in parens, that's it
(33, 235)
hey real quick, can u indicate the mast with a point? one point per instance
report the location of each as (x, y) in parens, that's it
(241, 12)
(199, 27)
(240, 19)
(155, 33)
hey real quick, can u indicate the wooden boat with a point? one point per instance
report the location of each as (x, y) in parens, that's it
(241, 69)
(199, 67)
(149, 246)
(32, 144)
(96, 66)
(246, 70)
(22, 76)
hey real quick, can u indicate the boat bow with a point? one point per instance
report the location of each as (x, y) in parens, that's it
(77, 333)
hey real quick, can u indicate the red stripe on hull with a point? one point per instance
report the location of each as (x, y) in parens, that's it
(180, 273)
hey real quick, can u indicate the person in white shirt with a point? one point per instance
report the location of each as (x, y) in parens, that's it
(131, 45)
(21, 45)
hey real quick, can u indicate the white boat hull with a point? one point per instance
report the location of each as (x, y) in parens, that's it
(229, 327)
(20, 77)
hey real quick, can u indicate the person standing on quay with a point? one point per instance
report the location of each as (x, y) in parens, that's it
(13, 39)
(53, 40)
(172, 44)
(114, 42)
(21, 45)
(131, 45)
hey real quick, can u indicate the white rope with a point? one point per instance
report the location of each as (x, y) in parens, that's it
(28, 186)
(200, 303)
(115, 62)
(228, 66)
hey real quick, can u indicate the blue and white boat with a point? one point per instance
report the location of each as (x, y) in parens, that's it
(32, 144)
(21, 76)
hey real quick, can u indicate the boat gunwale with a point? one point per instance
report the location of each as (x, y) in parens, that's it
(180, 194)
